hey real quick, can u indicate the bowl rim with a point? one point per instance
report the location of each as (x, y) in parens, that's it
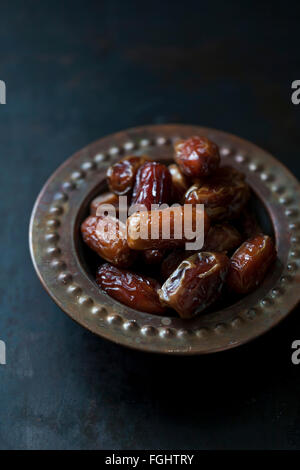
(53, 245)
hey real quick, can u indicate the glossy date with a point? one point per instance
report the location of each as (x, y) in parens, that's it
(107, 237)
(129, 288)
(147, 229)
(224, 194)
(153, 185)
(121, 175)
(197, 156)
(195, 284)
(250, 263)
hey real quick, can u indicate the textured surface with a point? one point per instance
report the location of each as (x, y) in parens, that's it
(76, 71)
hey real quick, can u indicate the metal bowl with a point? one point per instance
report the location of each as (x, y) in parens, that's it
(57, 251)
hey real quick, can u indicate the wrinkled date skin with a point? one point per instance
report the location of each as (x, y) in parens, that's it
(180, 183)
(153, 256)
(197, 156)
(121, 175)
(107, 237)
(153, 185)
(222, 237)
(136, 291)
(145, 228)
(224, 194)
(106, 198)
(250, 263)
(195, 284)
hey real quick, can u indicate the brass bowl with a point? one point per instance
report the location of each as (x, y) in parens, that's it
(57, 249)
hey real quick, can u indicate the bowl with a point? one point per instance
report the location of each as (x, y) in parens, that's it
(62, 262)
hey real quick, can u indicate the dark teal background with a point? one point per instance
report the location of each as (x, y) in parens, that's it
(76, 71)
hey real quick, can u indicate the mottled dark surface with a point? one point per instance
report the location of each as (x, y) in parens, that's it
(76, 71)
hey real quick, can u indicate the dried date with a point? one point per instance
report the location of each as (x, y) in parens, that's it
(153, 185)
(166, 228)
(197, 156)
(135, 291)
(250, 263)
(220, 238)
(107, 237)
(224, 194)
(195, 284)
(121, 175)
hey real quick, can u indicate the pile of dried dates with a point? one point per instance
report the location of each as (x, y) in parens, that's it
(235, 256)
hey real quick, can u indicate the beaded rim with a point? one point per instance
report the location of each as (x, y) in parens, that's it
(54, 248)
